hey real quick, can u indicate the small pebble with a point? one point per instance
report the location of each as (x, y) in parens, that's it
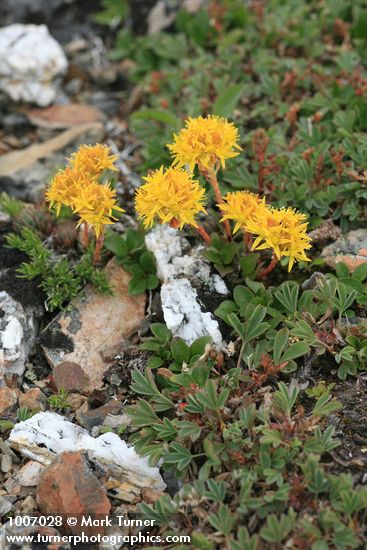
(5, 506)
(6, 463)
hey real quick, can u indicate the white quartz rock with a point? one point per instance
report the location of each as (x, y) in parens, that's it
(47, 433)
(178, 272)
(166, 245)
(17, 335)
(183, 314)
(30, 60)
(169, 247)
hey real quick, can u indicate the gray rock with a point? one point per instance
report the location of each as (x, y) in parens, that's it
(28, 475)
(5, 506)
(6, 464)
(117, 421)
(350, 249)
(96, 417)
(18, 329)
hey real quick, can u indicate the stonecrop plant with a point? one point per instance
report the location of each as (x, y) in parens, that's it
(205, 142)
(81, 187)
(172, 196)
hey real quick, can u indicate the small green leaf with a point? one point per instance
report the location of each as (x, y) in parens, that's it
(115, 243)
(161, 332)
(280, 343)
(226, 101)
(179, 455)
(224, 309)
(360, 272)
(248, 264)
(234, 321)
(341, 270)
(296, 350)
(137, 285)
(152, 281)
(199, 345)
(148, 262)
(242, 295)
(142, 413)
(255, 327)
(158, 115)
(189, 430)
(155, 362)
(180, 351)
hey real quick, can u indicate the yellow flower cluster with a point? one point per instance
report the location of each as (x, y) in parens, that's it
(93, 159)
(95, 204)
(241, 207)
(78, 187)
(283, 229)
(205, 141)
(169, 195)
(172, 195)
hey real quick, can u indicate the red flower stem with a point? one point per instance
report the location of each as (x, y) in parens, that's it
(85, 234)
(265, 272)
(203, 234)
(260, 178)
(97, 250)
(211, 176)
(248, 240)
(174, 223)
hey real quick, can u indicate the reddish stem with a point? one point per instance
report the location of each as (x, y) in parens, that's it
(260, 178)
(265, 272)
(174, 223)
(211, 177)
(85, 234)
(248, 240)
(220, 361)
(97, 250)
(203, 234)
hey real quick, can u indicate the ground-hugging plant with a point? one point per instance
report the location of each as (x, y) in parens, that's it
(172, 352)
(288, 323)
(130, 252)
(249, 455)
(81, 189)
(60, 400)
(60, 278)
(10, 205)
(246, 458)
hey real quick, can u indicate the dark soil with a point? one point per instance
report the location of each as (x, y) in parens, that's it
(350, 422)
(119, 374)
(52, 337)
(350, 425)
(40, 366)
(75, 23)
(28, 293)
